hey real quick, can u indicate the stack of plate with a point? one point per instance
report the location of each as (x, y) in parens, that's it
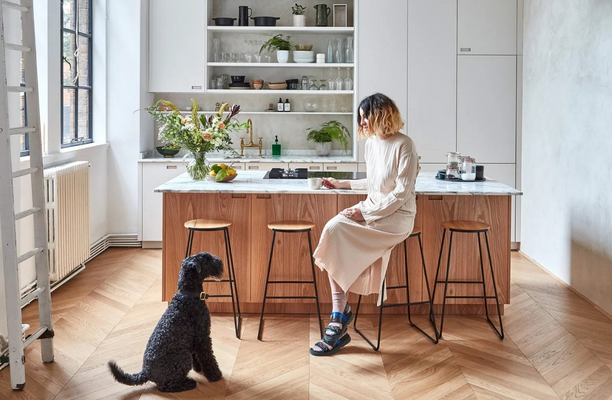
(301, 56)
(239, 86)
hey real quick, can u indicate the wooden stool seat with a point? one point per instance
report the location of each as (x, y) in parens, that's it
(416, 230)
(291, 226)
(207, 224)
(465, 226)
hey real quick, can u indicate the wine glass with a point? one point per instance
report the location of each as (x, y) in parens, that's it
(338, 80)
(248, 56)
(348, 82)
(323, 86)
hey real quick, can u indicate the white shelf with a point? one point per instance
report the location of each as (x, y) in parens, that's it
(267, 91)
(281, 65)
(277, 113)
(281, 29)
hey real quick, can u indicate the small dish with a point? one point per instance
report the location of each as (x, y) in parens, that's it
(226, 179)
(277, 85)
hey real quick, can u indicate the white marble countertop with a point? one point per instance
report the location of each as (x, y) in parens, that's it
(253, 182)
(287, 158)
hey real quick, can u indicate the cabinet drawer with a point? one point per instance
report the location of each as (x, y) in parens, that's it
(345, 167)
(264, 166)
(309, 166)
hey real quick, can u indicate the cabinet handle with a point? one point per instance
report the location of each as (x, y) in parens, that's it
(435, 197)
(466, 49)
(196, 87)
(332, 168)
(238, 196)
(264, 196)
(171, 167)
(314, 168)
(253, 167)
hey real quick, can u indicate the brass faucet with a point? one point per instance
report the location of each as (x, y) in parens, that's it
(250, 144)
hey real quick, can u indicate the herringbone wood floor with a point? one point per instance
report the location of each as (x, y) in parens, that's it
(557, 346)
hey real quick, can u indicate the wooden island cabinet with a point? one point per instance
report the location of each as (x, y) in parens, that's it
(251, 207)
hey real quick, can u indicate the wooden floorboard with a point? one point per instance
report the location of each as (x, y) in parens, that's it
(557, 346)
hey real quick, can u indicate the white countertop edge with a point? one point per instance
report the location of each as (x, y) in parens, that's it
(297, 159)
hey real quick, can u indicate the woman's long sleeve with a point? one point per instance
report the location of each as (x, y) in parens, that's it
(407, 168)
(359, 184)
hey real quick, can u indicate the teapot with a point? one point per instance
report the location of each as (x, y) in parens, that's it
(322, 13)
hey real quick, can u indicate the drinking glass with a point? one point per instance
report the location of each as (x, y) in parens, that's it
(323, 86)
(216, 50)
(338, 55)
(225, 57)
(248, 56)
(213, 82)
(220, 82)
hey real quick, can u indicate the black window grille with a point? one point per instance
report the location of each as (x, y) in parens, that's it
(76, 72)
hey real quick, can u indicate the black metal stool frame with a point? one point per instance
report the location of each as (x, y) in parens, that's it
(230, 271)
(407, 304)
(314, 281)
(499, 332)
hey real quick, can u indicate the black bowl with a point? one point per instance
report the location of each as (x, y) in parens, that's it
(237, 78)
(224, 21)
(265, 21)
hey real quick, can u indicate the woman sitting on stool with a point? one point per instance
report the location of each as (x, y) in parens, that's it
(356, 244)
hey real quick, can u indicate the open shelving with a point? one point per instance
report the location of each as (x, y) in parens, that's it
(280, 65)
(268, 91)
(282, 29)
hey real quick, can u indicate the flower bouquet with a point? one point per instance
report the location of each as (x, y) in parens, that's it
(198, 134)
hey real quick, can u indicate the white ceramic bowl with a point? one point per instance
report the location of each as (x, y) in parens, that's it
(300, 56)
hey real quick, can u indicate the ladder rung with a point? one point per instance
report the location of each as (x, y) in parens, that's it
(29, 254)
(18, 47)
(23, 172)
(31, 296)
(21, 131)
(20, 89)
(25, 213)
(35, 335)
(14, 6)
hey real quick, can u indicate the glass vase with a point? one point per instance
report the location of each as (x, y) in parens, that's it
(216, 56)
(197, 166)
(349, 55)
(339, 55)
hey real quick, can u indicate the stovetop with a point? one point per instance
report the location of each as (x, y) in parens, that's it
(303, 173)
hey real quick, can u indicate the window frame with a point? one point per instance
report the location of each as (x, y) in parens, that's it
(77, 86)
(24, 114)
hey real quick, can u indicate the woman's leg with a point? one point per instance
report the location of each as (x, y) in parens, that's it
(338, 306)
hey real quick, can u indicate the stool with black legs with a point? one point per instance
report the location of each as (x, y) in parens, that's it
(290, 227)
(212, 225)
(416, 232)
(477, 228)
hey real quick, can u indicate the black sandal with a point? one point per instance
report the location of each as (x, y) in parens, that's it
(344, 318)
(333, 348)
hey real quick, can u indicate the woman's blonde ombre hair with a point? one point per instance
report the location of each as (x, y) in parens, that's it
(384, 118)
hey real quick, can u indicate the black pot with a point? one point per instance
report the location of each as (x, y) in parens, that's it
(224, 21)
(265, 21)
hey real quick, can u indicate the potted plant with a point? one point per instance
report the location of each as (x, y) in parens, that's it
(323, 137)
(169, 150)
(281, 45)
(299, 17)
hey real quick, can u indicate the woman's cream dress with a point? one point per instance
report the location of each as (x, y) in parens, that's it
(356, 253)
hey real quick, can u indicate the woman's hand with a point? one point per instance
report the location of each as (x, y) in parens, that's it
(353, 213)
(332, 183)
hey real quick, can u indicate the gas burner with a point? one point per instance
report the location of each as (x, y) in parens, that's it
(281, 173)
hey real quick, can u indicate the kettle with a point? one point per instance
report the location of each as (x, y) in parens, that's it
(322, 13)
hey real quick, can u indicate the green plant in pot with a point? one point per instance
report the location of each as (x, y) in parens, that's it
(169, 150)
(281, 45)
(299, 15)
(330, 131)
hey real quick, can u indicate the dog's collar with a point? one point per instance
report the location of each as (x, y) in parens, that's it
(198, 295)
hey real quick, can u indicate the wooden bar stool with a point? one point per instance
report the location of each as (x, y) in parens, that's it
(212, 225)
(290, 227)
(416, 232)
(477, 228)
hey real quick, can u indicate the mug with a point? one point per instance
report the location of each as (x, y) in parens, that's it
(479, 172)
(315, 183)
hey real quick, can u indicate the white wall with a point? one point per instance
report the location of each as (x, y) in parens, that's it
(126, 91)
(567, 137)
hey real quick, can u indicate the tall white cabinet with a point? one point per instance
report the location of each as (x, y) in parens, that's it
(172, 45)
(486, 27)
(382, 61)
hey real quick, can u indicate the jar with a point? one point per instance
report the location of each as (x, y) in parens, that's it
(452, 159)
(468, 169)
(452, 173)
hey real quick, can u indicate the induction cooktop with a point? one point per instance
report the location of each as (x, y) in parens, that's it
(303, 173)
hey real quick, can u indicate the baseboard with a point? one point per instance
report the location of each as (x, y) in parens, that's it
(515, 246)
(598, 308)
(149, 244)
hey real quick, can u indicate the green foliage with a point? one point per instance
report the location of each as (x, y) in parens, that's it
(330, 131)
(277, 43)
(298, 9)
(221, 174)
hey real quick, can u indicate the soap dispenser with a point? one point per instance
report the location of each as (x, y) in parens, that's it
(276, 148)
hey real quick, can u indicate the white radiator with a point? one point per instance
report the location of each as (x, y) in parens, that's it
(67, 194)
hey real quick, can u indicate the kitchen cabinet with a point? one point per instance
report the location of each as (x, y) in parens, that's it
(505, 173)
(265, 166)
(432, 98)
(382, 55)
(361, 167)
(309, 166)
(175, 30)
(486, 108)
(154, 175)
(350, 167)
(487, 27)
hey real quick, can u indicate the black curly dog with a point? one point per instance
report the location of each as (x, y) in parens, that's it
(181, 340)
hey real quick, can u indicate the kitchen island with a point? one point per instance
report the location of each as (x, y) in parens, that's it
(251, 202)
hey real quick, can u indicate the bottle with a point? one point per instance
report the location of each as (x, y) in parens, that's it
(276, 148)
(287, 105)
(279, 105)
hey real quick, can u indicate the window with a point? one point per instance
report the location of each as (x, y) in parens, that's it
(76, 72)
(25, 143)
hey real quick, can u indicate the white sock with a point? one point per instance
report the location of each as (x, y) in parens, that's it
(338, 301)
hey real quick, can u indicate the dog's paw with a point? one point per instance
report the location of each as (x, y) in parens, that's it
(214, 376)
